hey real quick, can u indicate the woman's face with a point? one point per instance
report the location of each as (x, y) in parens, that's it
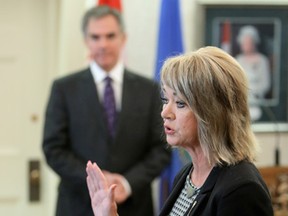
(180, 123)
(248, 45)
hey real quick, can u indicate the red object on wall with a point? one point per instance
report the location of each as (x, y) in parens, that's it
(226, 37)
(112, 3)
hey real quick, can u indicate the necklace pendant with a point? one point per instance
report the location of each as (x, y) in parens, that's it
(190, 191)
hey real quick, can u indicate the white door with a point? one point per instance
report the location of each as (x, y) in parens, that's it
(24, 83)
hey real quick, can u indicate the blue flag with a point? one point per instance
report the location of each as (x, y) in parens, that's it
(169, 44)
(170, 34)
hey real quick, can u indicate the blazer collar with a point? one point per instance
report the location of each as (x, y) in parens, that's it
(175, 191)
(204, 193)
(129, 96)
(91, 100)
(99, 74)
(206, 190)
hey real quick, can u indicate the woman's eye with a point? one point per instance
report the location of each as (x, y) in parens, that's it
(180, 104)
(164, 100)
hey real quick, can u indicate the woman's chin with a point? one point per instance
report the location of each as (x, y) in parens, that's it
(173, 143)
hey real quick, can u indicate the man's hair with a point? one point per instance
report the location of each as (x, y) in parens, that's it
(215, 87)
(99, 12)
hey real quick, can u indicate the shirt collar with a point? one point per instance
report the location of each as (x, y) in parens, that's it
(99, 74)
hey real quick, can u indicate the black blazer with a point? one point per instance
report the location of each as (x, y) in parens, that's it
(75, 131)
(228, 191)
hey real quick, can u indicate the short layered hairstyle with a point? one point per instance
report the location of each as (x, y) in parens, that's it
(215, 87)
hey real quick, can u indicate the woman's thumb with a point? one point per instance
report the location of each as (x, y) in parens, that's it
(112, 192)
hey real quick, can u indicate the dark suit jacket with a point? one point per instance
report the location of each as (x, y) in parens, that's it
(75, 131)
(228, 191)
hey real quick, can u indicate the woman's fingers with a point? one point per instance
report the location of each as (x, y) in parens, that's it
(97, 178)
(102, 196)
(93, 177)
(91, 187)
(102, 181)
(92, 173)
(92, 180)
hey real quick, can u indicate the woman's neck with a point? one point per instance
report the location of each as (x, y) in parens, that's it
(201, 167)
(200, 173)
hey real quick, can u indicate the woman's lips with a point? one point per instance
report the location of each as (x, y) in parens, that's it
(168, 130)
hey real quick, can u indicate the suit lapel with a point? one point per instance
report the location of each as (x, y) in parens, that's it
(91, 99)
(129, 96)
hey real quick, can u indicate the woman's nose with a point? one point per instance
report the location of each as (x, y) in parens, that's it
(167, 112)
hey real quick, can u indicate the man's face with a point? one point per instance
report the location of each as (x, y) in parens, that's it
(105, 41)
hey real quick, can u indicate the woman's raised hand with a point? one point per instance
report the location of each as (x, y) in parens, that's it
(102, 196)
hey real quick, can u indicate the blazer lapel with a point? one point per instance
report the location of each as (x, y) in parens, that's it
(175, 193)
(129, 98)
(201, 198)
(91, 99)
(205, 191)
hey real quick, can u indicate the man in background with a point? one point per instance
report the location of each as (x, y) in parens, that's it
(108, 115)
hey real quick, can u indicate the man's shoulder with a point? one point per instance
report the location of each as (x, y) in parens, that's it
(75, 76)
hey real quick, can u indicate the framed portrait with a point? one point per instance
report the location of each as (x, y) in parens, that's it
(257, 39)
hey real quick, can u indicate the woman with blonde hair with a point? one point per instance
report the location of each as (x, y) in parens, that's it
(205, 111)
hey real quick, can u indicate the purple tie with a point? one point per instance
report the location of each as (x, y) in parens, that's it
(109, 106)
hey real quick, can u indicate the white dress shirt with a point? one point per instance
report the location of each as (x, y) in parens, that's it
(116, 74)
